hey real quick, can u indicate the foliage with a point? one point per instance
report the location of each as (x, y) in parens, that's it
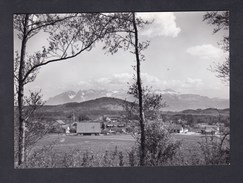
(124, 36)
(161, 148)
(196, 118)
(152, 103)
(68, 36)
(40, 158)
(45, 157)
(184, 153)
(133, 157)
(36, 127)
(83, 117)
(220, 21)
(223, 70)
(215, 150)
(130, 41)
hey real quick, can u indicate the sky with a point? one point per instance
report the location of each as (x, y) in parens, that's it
(182, 49)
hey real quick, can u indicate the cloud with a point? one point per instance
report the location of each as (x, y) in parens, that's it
(120, 80)
(164, 24)
(117, 81)
(103, 80)
(188, 83)
(205, 51)
(83, 84)
(149, 79)
(127, 77)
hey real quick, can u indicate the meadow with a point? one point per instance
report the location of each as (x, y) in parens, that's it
(102, 143)
(98, 148)
(95, 144)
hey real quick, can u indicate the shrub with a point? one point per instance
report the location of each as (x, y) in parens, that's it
(161, 148)
(47, 157)
(40, 158)
(214, 150)
(113, 158)
(133, 158)
(129, 129)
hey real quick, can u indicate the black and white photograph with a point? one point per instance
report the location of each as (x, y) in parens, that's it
(121, 89)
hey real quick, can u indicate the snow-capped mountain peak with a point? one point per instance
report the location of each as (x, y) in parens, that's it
(174, 99)
(166, 91)
(71, 96)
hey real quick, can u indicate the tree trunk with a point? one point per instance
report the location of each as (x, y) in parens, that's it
(140, 98)
(21, 138)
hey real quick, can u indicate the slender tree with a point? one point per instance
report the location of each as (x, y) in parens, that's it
(140, 94)
(130, 41)
(68, 36)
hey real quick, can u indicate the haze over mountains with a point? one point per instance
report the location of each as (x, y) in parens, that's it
(174, 100)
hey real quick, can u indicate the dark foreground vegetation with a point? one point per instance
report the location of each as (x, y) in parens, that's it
(163, 149)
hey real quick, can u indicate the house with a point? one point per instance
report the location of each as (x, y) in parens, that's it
(210, 130)
(113, 118)
(59, 126)
(109, 125)
(180, 121)
(121, 125)
(88, 127)
(60, 122)
(175, 128)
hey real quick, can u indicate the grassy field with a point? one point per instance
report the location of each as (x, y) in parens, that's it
(100, 144)
(95, 144)
(66, 149)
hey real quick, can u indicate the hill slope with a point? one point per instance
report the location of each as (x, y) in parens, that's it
(175, 100)
(103, 104)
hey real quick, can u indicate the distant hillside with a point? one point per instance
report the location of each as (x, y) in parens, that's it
(110, 104)
(99, 104)
(174, 100)
(86, 95)
(208, 111)
(192, 101)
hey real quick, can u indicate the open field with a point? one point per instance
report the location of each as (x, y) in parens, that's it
(99, 144)
(96, 144)
(107, 151)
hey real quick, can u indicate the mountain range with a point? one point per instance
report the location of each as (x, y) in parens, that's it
(175, 100)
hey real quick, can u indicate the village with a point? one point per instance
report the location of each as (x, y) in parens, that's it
(118, 124)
